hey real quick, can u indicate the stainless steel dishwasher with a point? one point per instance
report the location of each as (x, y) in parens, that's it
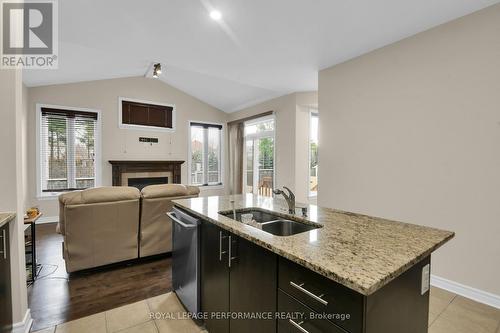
(186, 258)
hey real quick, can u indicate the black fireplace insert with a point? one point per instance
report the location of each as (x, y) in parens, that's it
(140, 183)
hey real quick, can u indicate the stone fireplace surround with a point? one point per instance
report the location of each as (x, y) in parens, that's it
(123, 170)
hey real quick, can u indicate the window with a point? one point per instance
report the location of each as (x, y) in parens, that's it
(258, 164)
(313, 153)
(206, 154)
(67, 150)
(135, 114)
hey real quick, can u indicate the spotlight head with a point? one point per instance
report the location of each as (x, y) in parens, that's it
(156, 70)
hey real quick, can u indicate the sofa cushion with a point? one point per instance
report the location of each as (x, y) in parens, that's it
(168, 190)
(100, 194)
(193, 190)
(68, 196)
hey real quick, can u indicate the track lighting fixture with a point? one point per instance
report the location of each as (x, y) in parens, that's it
(156, 70)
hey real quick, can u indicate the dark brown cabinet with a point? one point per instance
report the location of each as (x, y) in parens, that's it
(5, 291)
(238, 278)
(253, 287)
(300, 318)
(322, 295)
(327, 306)
(214, 277)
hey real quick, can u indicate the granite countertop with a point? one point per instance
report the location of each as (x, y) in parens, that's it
(5, 218)
(361, 252)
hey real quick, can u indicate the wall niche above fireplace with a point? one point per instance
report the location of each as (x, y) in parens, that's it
(145, 115)
(124, 172)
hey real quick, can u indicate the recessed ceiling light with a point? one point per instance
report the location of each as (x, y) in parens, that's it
(215, 15)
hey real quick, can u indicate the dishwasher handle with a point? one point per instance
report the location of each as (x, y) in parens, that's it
(182, 224)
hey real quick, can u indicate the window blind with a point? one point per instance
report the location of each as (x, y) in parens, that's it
(205, 125)
(67, 149)
(142, 114)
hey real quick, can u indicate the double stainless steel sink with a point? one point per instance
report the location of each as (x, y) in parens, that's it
(271, 223)
(286, 227)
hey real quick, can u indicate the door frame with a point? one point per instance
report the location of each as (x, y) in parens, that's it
(313, 112)
(254, 137)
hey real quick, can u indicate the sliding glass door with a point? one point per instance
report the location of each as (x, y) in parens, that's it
(259, 156)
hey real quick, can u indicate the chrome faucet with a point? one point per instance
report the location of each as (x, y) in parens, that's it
(290, 198)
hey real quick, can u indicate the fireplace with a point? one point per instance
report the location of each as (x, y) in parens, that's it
(142, 182)
(143, 173)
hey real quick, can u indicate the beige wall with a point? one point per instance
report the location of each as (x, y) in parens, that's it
(412, 132)
(301, 153)
(306, 102)
(24, 138)
(121, 144)
(12, 125)
(289, 112)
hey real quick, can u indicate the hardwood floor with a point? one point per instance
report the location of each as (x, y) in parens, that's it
(57, 297)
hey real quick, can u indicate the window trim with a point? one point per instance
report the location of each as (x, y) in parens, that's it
(262, 134)
(222, 156)
(121, 125)
(312, 112)
(40, 195)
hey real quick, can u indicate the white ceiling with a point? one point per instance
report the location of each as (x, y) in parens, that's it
(261, 49)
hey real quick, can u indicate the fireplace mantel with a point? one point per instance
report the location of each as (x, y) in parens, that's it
(120, 167)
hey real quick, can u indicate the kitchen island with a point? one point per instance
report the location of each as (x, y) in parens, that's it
(349, 273)
(6, 218)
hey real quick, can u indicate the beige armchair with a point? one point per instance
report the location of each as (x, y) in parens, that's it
(100, 226)
(156, 226)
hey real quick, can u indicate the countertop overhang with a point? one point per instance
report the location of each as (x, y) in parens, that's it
(361, 252)
(6, 218)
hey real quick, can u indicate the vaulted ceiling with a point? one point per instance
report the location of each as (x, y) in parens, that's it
(259, 50)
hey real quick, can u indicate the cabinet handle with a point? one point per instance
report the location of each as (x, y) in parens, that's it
(308, 293)
(220, 245)
(4, 245)
(297, 326)
(182, 224)
(230, 256)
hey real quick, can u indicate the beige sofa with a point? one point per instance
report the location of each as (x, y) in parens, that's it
(156, 226)
(100, 226)
(107, 225)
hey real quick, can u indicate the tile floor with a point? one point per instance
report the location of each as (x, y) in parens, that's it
(449, 313)
(133, 318)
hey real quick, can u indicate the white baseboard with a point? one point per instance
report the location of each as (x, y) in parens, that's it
(466, 291)
(25, 325)
(47, 219)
